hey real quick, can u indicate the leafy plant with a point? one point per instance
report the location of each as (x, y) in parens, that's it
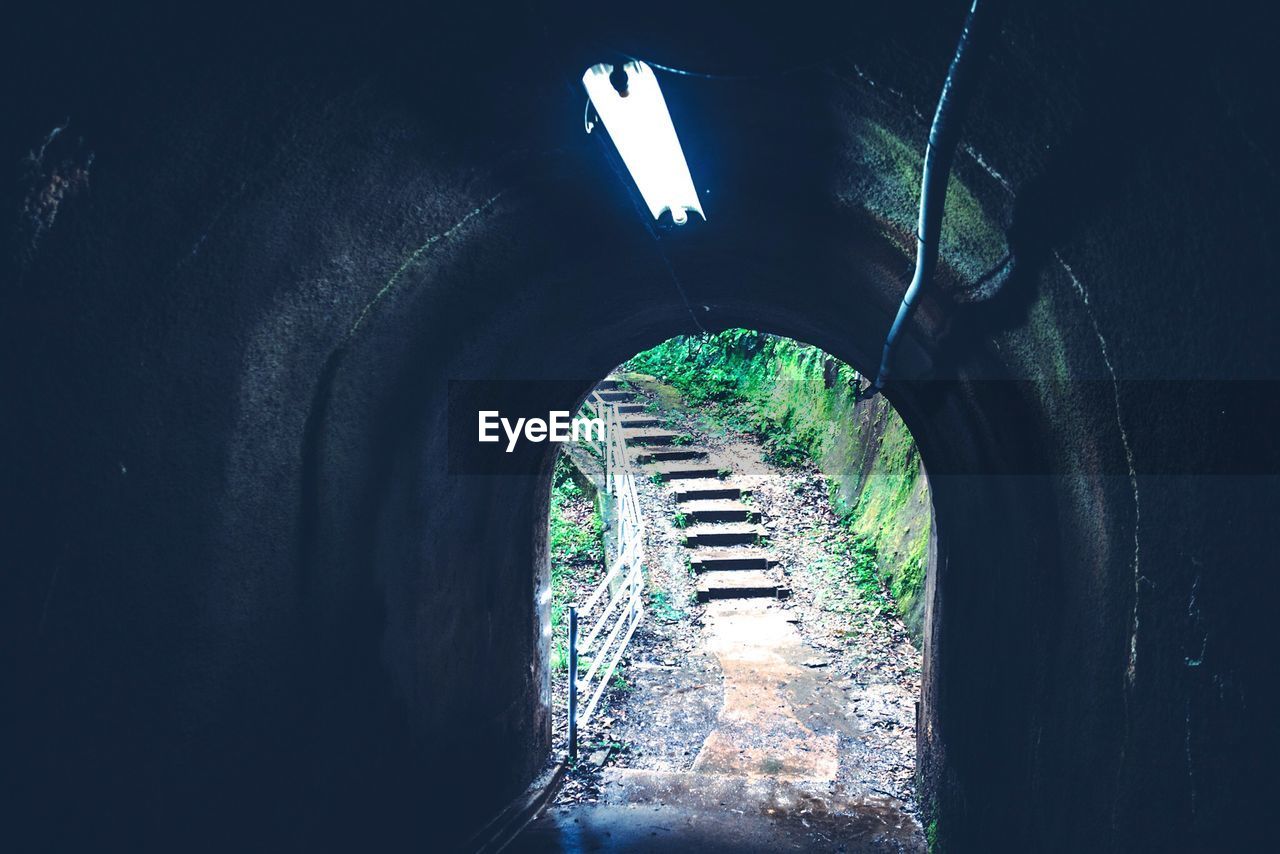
(577, 552)
(662, 608)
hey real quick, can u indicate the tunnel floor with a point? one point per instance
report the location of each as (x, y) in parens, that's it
(755, 717)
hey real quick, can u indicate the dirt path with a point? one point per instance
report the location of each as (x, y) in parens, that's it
(794, 714)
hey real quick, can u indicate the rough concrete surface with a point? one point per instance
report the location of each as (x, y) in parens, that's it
(249, 595)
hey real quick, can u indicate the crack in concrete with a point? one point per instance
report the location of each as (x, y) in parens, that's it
(1131, 668)
(413, 258)
(1139, 579)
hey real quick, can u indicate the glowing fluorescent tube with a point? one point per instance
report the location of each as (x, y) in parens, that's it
(641, 128)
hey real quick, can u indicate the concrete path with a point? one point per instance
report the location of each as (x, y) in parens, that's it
(765, 778)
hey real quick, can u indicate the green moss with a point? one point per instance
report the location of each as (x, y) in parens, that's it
(888, 185)
(577, 553)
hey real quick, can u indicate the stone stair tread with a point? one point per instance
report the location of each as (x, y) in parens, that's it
(740, 584)
(677, 471)
(719, 510)
(659, 455)
(731, 558)
(649, 436)
(723, 534)
(631, 408)
(726, 528)
(715, 505)
(628, 423)
(727, 489)
(736, 580)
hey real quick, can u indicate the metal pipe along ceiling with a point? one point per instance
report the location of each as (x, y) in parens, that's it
(957, 91)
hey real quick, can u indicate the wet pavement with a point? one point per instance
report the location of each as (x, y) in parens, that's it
(765, 778)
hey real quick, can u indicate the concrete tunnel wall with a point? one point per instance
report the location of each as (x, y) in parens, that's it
(247, 598)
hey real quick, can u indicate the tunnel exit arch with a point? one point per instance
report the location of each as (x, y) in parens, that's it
(975, 508)
(898, 525)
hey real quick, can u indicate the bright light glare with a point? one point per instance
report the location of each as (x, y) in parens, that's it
(641, 128)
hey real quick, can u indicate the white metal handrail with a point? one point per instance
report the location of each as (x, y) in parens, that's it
(622, 610)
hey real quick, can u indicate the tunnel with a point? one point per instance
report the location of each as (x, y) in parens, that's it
(254, 594)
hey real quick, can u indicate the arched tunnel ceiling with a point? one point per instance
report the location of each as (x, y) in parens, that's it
(246, 268)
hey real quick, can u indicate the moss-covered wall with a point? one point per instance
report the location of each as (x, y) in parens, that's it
(878, 486)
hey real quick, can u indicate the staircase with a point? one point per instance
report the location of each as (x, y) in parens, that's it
(722, 531)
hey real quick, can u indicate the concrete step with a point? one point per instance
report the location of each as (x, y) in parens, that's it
(749, 557)
(631, 408)
(618, 395)
(683, 471)
(648, 436)
(707, 491)
(609, 384)
(724, 534)
(719, 511)
(740, 584)
(630, 423)
(666, 455)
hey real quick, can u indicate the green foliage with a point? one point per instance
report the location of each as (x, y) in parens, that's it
(620, 682)
(680, 520)
(699, 366)
(662, 608)
(851, 564)
(736, 367)
(782, 447)
(577, 552)
(571, 543)
(800, 403)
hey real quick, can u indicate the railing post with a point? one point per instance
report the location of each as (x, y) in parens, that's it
(608, 449)
(573, 682)
(611, 426)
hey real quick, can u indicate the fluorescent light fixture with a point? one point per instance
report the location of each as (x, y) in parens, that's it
(641, 128)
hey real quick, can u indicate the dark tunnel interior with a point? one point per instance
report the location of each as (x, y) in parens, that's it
(252, 599)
